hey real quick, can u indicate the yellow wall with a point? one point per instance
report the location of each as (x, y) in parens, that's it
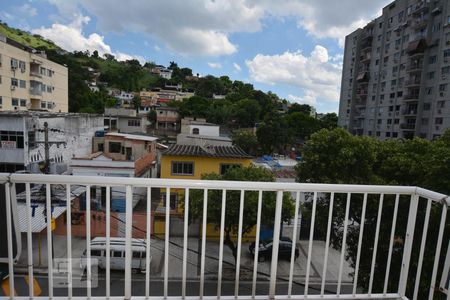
(202, 165)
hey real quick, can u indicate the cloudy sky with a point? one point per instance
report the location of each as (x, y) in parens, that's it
(290, 47)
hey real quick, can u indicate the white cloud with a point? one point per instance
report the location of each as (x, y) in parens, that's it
(237, 67)
(214, 65)
(204, 27)
(27, 10)
(325, 18)
(156, 47)
(309, 98)
(71, 38)
(316, 75)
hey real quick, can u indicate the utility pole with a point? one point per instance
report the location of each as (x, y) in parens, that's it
(47, 149)
(47, 145)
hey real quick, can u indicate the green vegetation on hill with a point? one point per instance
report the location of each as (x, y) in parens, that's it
(26, 38)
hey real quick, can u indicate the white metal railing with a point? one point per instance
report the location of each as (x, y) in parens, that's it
(311, 193)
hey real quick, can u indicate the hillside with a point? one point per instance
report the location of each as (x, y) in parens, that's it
(26, 38)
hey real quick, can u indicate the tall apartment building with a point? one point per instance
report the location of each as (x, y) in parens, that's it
(29, 81)
(396, 74)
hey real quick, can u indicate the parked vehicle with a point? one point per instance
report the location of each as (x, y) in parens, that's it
(117, 254)
(265, 249)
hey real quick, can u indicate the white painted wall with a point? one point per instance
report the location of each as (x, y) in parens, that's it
(205, 130)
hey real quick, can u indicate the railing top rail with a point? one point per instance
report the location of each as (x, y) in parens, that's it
(228, 185)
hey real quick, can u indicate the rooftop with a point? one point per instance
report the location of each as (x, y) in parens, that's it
(211, 151)
(133, 136)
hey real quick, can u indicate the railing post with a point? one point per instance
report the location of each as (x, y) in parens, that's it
(409, 237)
(128, 236)
(275, 245)
(9, 237)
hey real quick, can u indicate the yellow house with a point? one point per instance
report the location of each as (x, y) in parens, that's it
(190, 162)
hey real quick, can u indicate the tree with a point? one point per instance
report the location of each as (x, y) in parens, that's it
(302, 125)
(329, 121)
(136, 102)
(300, 108)
(232, 204)
(246, 112)
(336, 156)
(152, 116)
(272, 134)
(246, 140)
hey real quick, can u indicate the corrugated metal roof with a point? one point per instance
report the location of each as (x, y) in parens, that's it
(208, 151)
(38, 222)
(37, 197)
(133, 136)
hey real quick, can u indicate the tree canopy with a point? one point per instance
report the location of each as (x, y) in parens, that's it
(336, 156)
(233, 202)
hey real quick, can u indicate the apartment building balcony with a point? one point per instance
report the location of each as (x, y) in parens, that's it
(363, 77)
(417, 46)
(406, 249)
(420, 9)
(36, 91)
(419, 24)
(413, 83)
(411, 97)
(408, 126)
(361, 92)
(409, 112)
(414, 68)
(365, 57)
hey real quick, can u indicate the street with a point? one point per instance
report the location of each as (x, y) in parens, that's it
(174, 287)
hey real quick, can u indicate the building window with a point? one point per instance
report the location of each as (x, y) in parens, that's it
(49, 89)
(1, 102)
(395, 134)
(387, 134)
(396, 121)
(430, 75)
(23, 84)
(445, 70)
(114, 147)
(446, 53)
(43, 104)
(225, 167)
(23, 102)
(42, 71)
(438, 121)
(182, 168)
(440, 104)
(49, 73)
(32, 140)
(426, 106)
(14, 64)
(43, 87)
(443, 87)
(101, 147)
(15, 102)
(14, 82)
(432, 59)
(195, 131)
(134, 123)
(11, 139)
